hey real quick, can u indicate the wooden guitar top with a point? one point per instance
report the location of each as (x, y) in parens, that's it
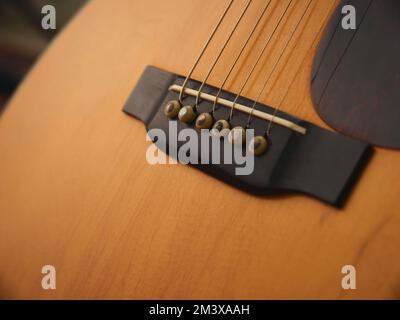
(76, 191)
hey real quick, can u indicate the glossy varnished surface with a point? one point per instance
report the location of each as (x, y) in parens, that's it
(76, 190)
(355, 86)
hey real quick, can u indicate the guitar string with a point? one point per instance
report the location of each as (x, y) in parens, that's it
(267, 132)
(327, 47)
(239, 56)
(258, 60)
(204, 49)
(345, 51)
(276, 65)
(303, 63)
(220, 53)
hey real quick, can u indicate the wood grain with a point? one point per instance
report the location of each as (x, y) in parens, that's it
(76, 190)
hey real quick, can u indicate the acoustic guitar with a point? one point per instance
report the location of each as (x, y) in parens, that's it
(318, 217)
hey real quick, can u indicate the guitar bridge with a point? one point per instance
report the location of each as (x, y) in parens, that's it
(301, 157)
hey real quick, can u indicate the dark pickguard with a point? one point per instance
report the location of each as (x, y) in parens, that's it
(356, 77)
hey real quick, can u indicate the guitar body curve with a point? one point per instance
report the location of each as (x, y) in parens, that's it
(77, 193)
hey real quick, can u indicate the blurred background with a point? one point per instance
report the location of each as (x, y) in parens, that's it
(22, 38)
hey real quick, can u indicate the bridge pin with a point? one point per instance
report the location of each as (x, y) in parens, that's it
(258, 145)
(187, 114)
(220, 128)
(172, 108)
(204, 121)
(237, 136)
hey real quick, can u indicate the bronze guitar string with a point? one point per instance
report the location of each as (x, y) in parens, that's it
(188, 113)
(221, 52)
(297, 73)
(237, 135)
(258, 59)
(204, 49)
(205, 121)
(267, 133)
(259, 144)
(239, 55)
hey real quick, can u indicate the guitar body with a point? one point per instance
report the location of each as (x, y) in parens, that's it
(76, 191)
